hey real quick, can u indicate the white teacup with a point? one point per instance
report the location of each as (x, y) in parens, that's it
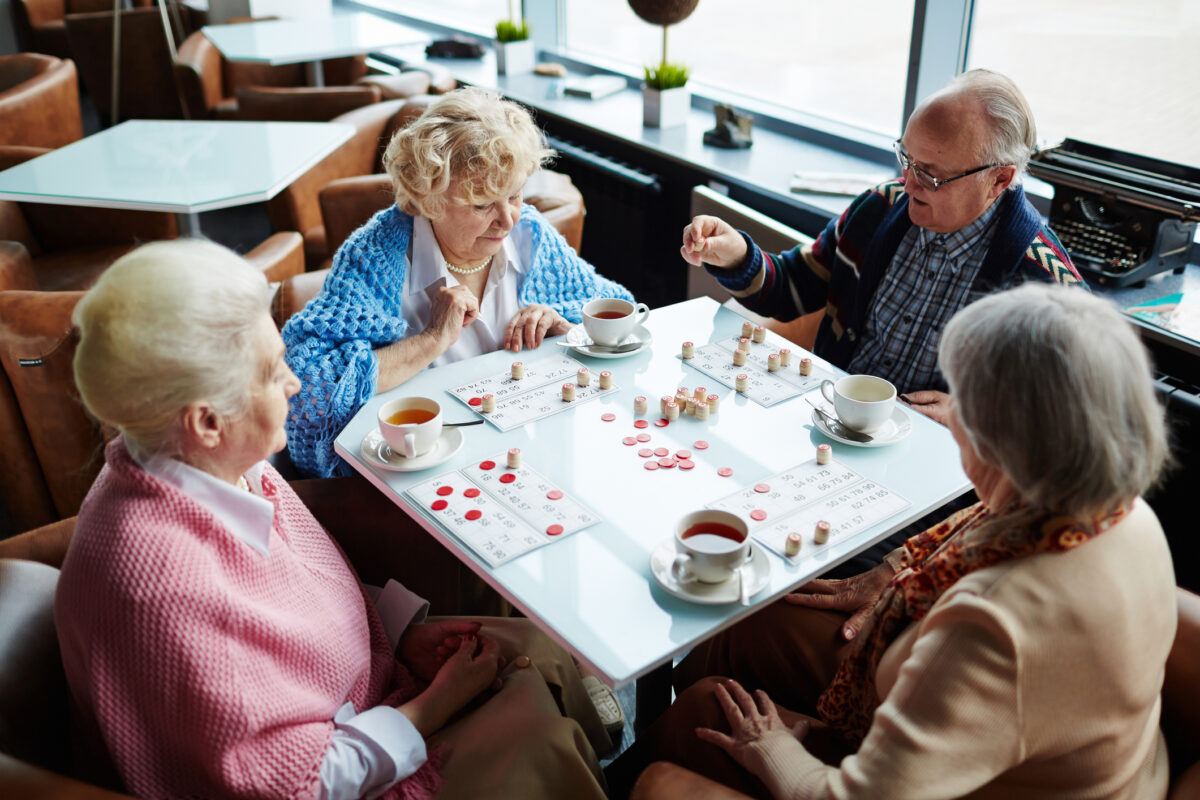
(608, 320)
(710, 545)
(411, 425)
(863, 402)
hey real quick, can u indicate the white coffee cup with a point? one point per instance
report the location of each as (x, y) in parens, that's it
(709, 546)
(411, 425)
(608, 320)
(863, 402)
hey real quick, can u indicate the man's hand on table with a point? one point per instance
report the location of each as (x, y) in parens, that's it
(856, 594)
(935, 405)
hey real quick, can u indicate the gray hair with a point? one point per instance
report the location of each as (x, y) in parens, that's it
(167, 325)
(1013, 130)
(1054, 388)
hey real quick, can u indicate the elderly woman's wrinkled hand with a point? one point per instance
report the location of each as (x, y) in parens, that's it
(753, 722)
(711, 240)
(453, 308)
(425, 647)
(856, 594)
(532, 324)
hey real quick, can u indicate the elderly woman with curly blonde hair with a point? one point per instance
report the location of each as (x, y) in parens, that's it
(459, 266)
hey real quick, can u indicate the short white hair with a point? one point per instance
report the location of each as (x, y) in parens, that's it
(1012, 131)
(167, 325)
(1053, 387)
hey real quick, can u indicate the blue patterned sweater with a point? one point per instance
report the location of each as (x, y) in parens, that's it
(331, 343)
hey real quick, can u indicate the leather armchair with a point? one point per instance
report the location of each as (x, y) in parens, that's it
(302, 104)
(1180, 724)
(40, 26)
(53, 449)
(39, 101)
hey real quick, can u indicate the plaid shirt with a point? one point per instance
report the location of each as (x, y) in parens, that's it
(929, 280)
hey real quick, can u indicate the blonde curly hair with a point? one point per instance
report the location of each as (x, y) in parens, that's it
(472, 137)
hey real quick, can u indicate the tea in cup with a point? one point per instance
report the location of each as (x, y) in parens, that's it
(411, 425)
(710, 546)
(608, 320)
(863, 402)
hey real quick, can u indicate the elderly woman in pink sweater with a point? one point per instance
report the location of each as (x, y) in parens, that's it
(1015, 650)
(216, 641)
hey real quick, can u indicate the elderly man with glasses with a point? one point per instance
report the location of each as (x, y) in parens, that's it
(909, 253)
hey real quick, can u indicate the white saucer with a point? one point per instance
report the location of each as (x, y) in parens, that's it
(375, 451)
(894, 430)
(708, 593)
(577, 335)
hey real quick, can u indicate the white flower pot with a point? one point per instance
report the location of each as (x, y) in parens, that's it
(665, 108)
(515, 58)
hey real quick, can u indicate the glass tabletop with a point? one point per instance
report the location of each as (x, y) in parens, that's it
(173, 165)
(288, 41)
(593, 591)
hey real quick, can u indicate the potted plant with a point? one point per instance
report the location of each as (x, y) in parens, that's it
(665, 97)
(514, 49)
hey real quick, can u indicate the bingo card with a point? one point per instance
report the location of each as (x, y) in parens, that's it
(535, 396)
(715, 359)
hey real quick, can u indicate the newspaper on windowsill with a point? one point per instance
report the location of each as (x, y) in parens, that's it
(595, 86)
(838, 183)
(1178, 313)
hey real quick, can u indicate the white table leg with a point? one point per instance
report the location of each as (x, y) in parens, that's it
(316, 72)
(189, 224)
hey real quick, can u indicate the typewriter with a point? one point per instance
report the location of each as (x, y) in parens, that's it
(1121, 216)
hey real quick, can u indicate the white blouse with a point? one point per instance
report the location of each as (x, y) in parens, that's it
(427, 273)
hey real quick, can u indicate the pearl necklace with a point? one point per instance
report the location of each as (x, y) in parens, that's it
(467, 270)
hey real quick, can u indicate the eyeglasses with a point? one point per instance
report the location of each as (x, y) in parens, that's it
(926, 180)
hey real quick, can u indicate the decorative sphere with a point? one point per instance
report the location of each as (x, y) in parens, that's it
(663, 12)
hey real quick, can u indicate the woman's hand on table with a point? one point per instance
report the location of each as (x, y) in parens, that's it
(712, 240)
(425, 647)
(469, 670)
(753, 722)
(856, 594)
(532, 324)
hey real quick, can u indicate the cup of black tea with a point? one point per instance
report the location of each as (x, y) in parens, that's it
(608, 320)
(710, 545)
(411, 425)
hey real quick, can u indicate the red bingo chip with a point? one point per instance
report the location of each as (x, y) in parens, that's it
(508, 477)
(438, 505)
(700, 445)
(685, 463)
(445, 490)
(554, 494)
(487, 464)
(475, 401)
(650, 465)
(683, 453)
(666, 463)
(643, 437)
(758, 514)
(661, 451)
(629, 440)
(608, 417)
(472, 492)
(762, 488)
(640, 423)
(474, 513)
(662, 423)
(645, 452)
(554, 530)
(725, 472)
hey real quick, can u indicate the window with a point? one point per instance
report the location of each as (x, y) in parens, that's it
(1116, 73)
(475, 16)
(847, 61)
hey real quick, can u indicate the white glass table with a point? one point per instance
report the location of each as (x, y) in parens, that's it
(289, 41)
(184, 167)
(593, 591)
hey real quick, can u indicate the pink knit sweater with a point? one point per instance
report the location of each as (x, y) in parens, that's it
(205, 668)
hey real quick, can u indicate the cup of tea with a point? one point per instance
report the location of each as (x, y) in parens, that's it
(709, 546)
(411, 425)
(608, 320)
(863, 402)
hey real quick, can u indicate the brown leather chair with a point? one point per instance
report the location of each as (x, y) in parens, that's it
(663, 780)
(52, 447)
(147, 83)
(40, 26)
(302, 103)
(39, 101)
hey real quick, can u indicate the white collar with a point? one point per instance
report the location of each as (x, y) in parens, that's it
(248, 515)
(427, 268)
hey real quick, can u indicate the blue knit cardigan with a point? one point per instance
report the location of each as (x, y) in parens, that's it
(331, 343)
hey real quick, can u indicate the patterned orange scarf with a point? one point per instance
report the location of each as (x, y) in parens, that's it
(971, 539)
